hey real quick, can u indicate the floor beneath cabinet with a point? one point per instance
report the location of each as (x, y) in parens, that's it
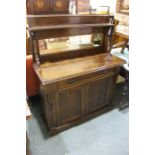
(106, 134)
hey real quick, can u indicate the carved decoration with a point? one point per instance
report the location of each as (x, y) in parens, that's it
(40, 4)
(59, 4)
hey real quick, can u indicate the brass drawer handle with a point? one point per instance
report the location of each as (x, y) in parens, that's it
(71, 81)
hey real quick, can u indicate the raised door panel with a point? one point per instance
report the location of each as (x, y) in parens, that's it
(69, 106)
(59, 6)
(99, 93)
(40, 6)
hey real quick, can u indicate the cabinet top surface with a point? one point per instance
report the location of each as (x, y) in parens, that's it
(54, 71)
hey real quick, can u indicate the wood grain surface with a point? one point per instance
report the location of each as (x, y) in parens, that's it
(50, 72)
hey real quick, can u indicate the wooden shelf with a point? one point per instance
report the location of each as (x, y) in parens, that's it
(52, 27)
(57, 26)
(69, 15)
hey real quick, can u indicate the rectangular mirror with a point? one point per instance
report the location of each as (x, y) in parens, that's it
(65, 44)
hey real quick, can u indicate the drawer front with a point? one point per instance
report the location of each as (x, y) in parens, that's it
(84, 78)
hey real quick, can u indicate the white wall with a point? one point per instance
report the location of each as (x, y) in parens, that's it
(111, 3)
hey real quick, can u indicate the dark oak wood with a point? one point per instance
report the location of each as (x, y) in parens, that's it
(47, 6)
(77, 88)
(54, 71)
(59, 6)
(69, 105)
(63, 26)
(72, 54)
(47, 26)
(63, 19)
(97, 92)
(76, 85)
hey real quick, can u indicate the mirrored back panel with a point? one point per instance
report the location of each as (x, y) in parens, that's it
(68, 44)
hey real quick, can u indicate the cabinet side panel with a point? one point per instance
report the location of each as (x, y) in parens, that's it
(46, 107)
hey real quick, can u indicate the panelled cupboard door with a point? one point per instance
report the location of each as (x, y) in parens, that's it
(47, 6)
(40, 6)
(69, 105)
(59, 6)
(98, 93)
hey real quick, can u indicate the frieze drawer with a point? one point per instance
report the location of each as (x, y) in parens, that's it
(84, 78)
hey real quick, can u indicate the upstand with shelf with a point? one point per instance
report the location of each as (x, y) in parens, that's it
(76, 84)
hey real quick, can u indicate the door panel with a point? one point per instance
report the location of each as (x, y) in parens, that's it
(40, 6)
(98, 93)
(59, 6)
(69, 105)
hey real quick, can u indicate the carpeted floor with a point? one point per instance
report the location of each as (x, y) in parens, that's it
(106, 134)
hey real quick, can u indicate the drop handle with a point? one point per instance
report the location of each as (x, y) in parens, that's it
(71, 81)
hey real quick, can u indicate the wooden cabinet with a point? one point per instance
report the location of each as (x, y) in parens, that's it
(79, 100)
(77, 84)
(47, 6)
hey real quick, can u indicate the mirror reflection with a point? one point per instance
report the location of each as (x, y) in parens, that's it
(64, 44)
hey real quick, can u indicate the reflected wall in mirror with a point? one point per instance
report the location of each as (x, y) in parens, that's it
(64, 44)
